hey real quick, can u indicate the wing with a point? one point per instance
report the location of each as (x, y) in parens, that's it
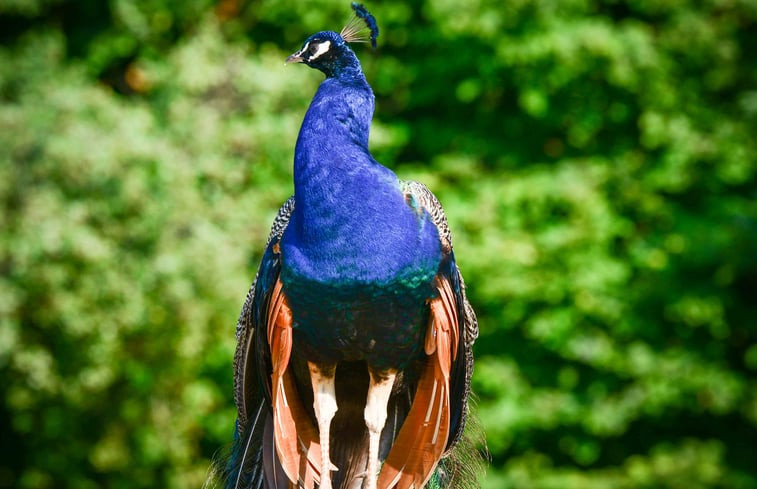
(275, 440)
(461, 368)
(439, 408)
(246, 380)
(252, 363)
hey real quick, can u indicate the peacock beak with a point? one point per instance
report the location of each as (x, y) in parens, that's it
(295, 58)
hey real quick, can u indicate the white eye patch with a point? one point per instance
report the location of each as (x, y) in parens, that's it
(321, 48)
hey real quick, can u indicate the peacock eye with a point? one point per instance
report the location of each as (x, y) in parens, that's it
(317, 48)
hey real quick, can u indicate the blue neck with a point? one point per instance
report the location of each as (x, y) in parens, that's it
(351, 222)
(334, 133)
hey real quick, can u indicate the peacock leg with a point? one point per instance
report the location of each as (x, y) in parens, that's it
(379, 391)
(324, 403)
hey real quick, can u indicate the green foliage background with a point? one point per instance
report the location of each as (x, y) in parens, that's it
(596, 160)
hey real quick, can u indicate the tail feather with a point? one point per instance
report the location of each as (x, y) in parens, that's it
(275, 477)
(244, 468)
(463, 466)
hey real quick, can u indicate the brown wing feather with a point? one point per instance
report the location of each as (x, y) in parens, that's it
(421, 441)
(462, 368)
(295, 437)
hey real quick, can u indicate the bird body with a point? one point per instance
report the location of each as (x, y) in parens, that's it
(353, 237)
(355, 340)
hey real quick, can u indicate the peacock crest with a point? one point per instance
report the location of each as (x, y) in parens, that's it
(361, 27)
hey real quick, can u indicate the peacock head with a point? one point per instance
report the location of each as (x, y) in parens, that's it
(329, 52)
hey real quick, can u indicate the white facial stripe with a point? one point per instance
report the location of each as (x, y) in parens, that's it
(322, 48)
(304, 49)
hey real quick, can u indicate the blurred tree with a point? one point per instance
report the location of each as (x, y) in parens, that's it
(596, 160)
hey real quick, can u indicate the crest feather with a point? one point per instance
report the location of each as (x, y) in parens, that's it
(362, 27)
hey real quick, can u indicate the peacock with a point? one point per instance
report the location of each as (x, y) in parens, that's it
(354, 353)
